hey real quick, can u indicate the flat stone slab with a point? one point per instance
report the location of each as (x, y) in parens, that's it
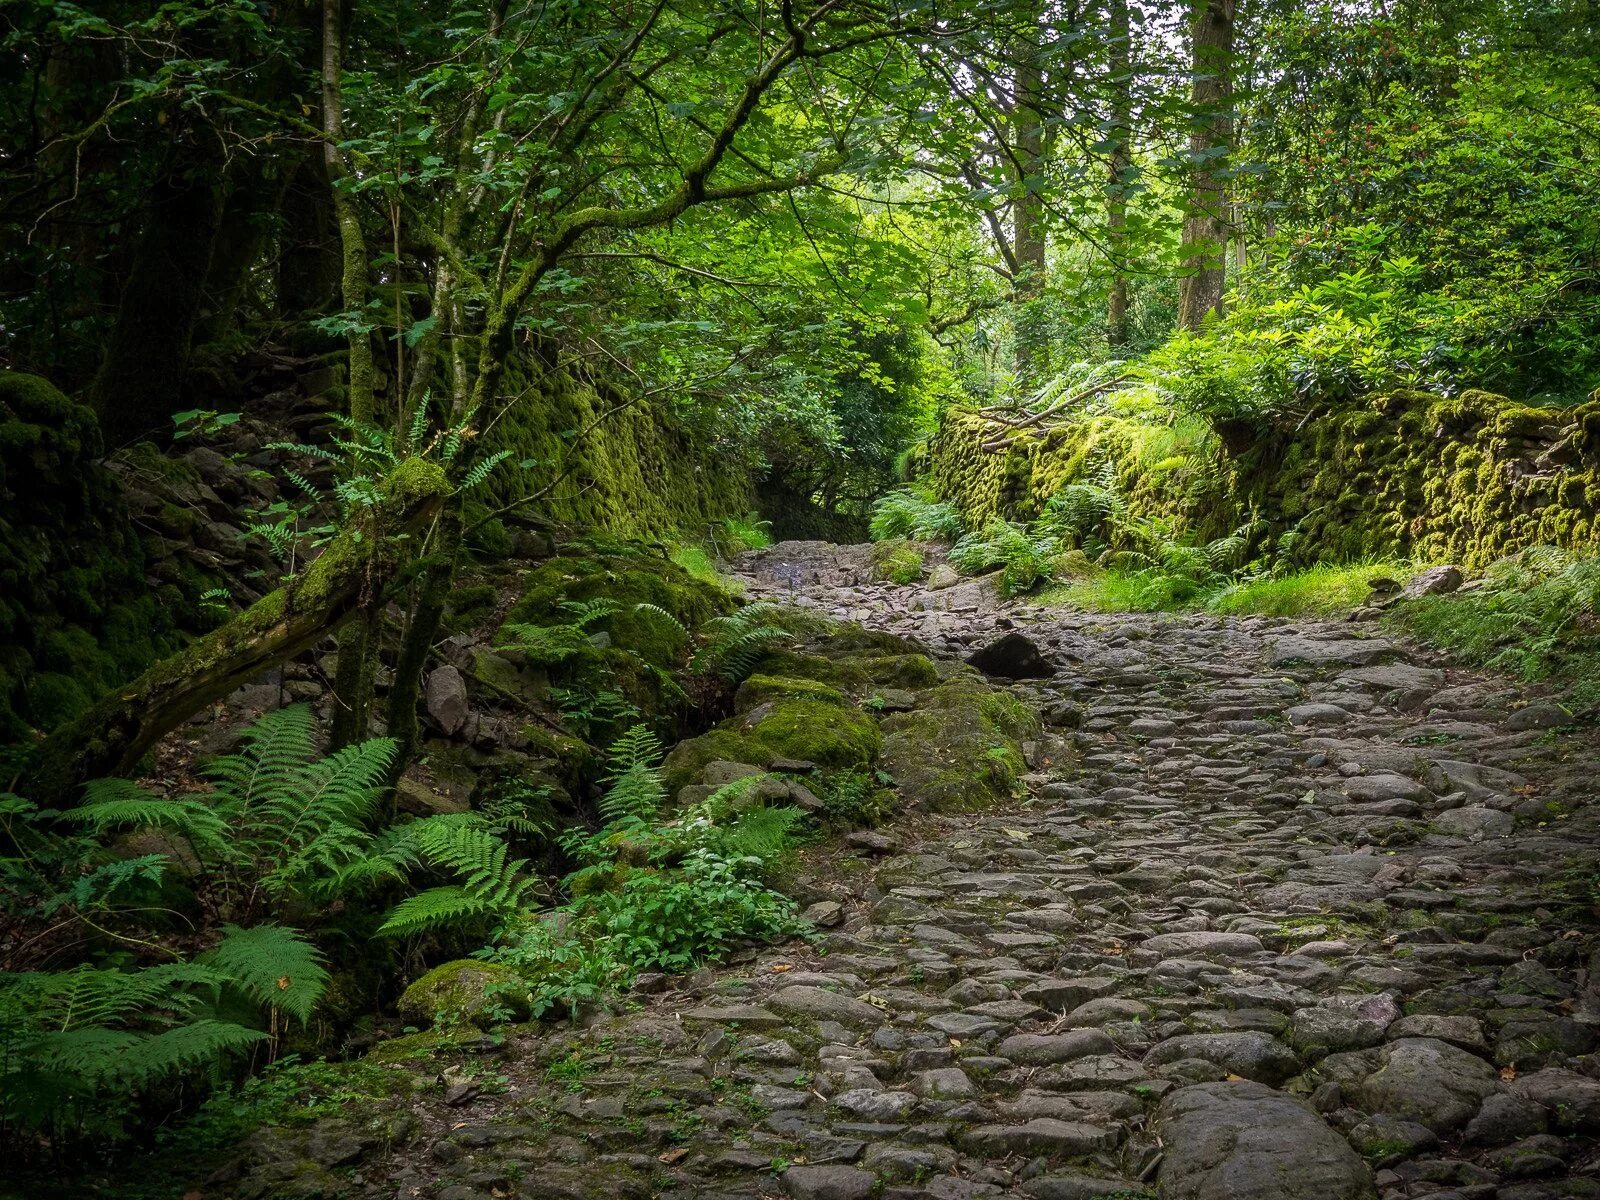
(822, 1005)
(1244, 1141)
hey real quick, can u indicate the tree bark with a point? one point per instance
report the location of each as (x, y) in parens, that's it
(1119, 168)
(353, 280)
(113, 735)
(1205, 228)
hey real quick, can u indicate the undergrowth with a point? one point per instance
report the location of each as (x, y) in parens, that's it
(1535, 614)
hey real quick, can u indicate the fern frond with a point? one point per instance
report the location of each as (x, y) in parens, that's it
(121, 803)
(662, 615)
(433, 909)
(274, 965)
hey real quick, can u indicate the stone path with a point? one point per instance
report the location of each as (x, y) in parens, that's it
(1309, 917)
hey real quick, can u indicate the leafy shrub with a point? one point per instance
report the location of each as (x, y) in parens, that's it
(914, 512)
(738, 534)
(733, 645)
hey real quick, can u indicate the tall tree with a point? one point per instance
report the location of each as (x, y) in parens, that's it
(1206, 221)
(1119, 170)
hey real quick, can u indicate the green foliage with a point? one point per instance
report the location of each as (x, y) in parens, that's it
(915, 513)
(734, 645)
(897, 561)
(1325, 590)
(1535, 614)
(281, 822)
(652, 893)
(1024, 556)
(490, 883)
(548, 644)
(738, 534)
(80, 1048)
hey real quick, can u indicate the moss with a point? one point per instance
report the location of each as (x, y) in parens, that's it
(961, 749)
(633, 471)
(814, 728)
(847, 675)
(763, 689)
(74, 604)
(896, 560)
(468, 990)
(469, 605)
(900, 670)
(1404, 474)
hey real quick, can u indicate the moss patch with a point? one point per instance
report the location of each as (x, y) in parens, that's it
(896, 561)
(961, 749)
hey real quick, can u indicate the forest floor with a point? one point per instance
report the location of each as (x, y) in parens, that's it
(1303, 914)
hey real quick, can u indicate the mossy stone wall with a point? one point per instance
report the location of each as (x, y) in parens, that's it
(1465, 479)
(624, 468)
(76, 614)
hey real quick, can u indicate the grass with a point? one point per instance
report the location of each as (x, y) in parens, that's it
(1322, 590)
(1536, 615)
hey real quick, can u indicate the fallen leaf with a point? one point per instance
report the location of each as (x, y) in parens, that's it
(676, 1155)
(1509, 1072)
(1021, 835)
(780, 968)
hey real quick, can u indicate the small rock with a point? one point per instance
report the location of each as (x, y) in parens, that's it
(1434, 581)
(822, 1005)
(825, 914)
(1545, 714)
(445, 695)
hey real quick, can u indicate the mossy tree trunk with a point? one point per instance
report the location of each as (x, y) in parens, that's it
(113, 735)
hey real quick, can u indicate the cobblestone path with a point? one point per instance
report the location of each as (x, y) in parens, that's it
(1308, 916)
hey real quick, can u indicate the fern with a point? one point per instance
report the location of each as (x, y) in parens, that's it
(490, 881)
(547, 645)
(914, 513)
(273, 965)
(736, 643)
(633, 785)
(121, 803)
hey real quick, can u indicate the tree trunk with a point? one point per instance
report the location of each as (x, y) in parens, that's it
(1120, 168)
(113, 735)
(438, 578)
(1205, 228)
(1028, 217)
(140, 383)
(353, 280)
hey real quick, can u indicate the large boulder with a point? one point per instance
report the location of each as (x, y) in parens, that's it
(1428, 1081)
(1245, 1141)
(1012, 656)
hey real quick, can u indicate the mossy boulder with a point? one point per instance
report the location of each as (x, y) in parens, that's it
(764, 689)
(961, 749)
(632, 651)
(814, 726)
(465, 991)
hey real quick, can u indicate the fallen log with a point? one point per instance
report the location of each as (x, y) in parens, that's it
(114, 735)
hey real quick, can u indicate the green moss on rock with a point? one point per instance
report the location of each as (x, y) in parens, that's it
(764, 689)
(466, 990)
(897, 560)
(961, 749)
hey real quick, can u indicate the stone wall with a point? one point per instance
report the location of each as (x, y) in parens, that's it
(623, 468)
(1410, 474)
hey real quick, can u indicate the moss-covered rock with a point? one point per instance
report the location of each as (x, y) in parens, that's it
(466, 990)
(817, 727)
(632, 651)
(960, 749)
(76, 616)
(633, 471)
(764, 689)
